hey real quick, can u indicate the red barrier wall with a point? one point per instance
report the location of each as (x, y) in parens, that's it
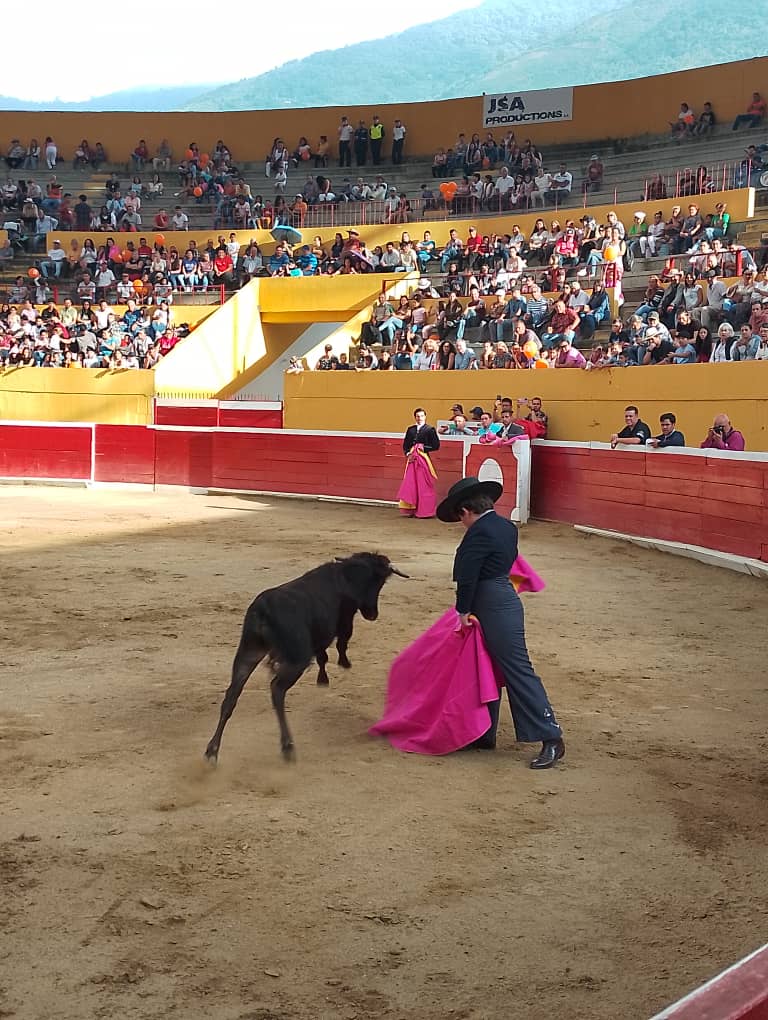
(32, 451)
(224, 414)
(710, 499)
(125, 454)
(739, 993)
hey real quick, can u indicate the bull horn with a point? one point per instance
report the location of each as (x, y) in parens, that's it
(399, 573)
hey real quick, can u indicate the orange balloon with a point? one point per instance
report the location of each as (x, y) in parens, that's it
(611, 254)
(117, 257)
(205, 158)
(540, 364)
(33, 273)
(445, 188)
(160, 238)
(452, 188)
(197, 192)
(137, 284)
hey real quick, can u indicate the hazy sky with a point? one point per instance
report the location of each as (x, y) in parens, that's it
(250, 39)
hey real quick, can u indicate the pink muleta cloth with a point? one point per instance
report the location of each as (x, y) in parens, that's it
(440, 685)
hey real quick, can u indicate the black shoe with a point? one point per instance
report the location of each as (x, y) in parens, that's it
(551, 751)
(483, 744)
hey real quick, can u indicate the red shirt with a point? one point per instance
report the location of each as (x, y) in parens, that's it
(222, 263)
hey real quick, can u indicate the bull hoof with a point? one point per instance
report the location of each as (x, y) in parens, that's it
(289, 753)
(212, 755)
(322, 681)
(345, 663)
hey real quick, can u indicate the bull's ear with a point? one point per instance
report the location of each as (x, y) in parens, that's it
(339, 559)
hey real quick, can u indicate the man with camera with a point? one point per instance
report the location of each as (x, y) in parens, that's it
(723, 436)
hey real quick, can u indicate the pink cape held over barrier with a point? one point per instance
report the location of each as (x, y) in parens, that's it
(440, 685)
(416, 495)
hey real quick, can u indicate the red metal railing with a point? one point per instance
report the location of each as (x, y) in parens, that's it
(690, 181)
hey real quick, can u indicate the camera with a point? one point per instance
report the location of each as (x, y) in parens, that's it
(719, 429)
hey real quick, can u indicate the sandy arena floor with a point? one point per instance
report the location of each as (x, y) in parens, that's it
(136, 882)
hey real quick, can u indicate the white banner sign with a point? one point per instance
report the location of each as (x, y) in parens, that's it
(545, 106)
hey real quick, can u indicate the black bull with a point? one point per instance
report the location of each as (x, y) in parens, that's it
(296, 622)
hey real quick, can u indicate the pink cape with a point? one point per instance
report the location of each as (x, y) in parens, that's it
(440, 685)
(416, 495)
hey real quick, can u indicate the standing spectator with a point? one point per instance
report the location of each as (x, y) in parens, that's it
(635, 431)
(723, 436)
(398, 142)
(83, 214)
(361, 143)
(754, 115)
(346, 134)
(670, 436)
(376, 134)
(140, 155)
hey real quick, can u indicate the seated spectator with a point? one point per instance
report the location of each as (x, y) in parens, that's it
(328, 359)
(596, 310)
(762, 347)
(140, 155)
(560, 186)
(16, 155)
(569, 356)
(465, 358)
(686, 120)
(562, 325)
(440, 163)
(706, 121)
(593, 174)
(670, 436)
(723, 436)
(754, 115)
(721, 348)
(635, 431)
(163, 156)
(489, 429)
(656, 190)
(55, 261)
(691, 229)
(746, 345)
(684, 352)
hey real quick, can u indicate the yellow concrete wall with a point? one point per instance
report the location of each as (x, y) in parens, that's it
(582, 406)
(614, 110)
(77, 394)
(226, 344)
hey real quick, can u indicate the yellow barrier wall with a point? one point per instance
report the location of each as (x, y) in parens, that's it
(583, 406)
(77, 394)
(740, 205)
(614, 110)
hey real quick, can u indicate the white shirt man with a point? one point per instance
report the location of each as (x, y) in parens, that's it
(504, 182)
(56, 259)
(104, 278)
(562, 182)
(578, 298)
(180, 220)
(102, 314)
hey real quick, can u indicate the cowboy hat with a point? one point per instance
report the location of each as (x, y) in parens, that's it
(466, 488)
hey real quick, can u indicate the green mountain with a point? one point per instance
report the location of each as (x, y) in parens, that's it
(438, 60)
(505, 44)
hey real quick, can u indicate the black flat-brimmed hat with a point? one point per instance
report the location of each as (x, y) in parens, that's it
(466, 488)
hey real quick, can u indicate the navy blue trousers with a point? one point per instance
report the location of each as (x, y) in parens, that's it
(498, 608)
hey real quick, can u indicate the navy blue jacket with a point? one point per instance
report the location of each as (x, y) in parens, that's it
(488, 549)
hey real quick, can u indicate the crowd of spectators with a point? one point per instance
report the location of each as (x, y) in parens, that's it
(721, 435)
(88, 335)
